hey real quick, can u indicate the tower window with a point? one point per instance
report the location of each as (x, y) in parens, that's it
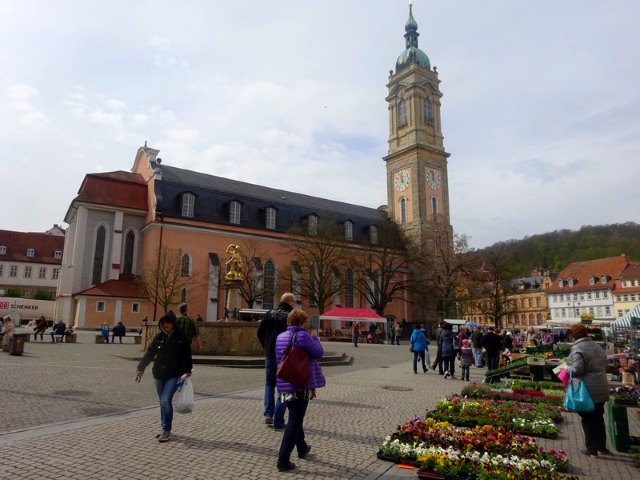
(188, 202)
(348, 230)
(403, 210)
(428, 111)
(271, 218)
(234, 212)
(434, 208)
(402, 113)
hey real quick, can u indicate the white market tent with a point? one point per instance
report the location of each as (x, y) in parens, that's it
(630, 320)
(338, 315)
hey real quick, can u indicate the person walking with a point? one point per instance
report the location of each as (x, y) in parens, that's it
(272, 325)
(447, 351)
(296, 398)
(588, 361)
(41, 326)
(397, 333)
(170, 351)
(187, 325)
(466, 358)
(355, 333)
(476, 345)
(419, 344)
(438, 361)
(492, 345)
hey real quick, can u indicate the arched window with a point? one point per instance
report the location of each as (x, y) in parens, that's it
(129, 242)
(269, 283)
(403, 210)
(402, 113)
(98, 255)
(348, 288)
(428, 111)
(185, 265)
(434, 208)
(183, 296)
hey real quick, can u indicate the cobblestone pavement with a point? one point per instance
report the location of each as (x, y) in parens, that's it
(72, 411)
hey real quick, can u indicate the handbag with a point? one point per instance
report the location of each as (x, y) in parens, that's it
(294, 365)
(576, 397)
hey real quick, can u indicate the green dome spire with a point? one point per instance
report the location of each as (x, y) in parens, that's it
(412, 54)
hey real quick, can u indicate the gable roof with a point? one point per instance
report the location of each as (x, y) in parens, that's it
(580, 272)
(45, 246)
(124, 287)
(115, 189)
(214, 194)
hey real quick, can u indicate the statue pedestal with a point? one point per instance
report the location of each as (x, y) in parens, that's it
(233, 301)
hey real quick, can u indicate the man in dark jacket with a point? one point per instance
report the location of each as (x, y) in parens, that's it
(492, 345)
(476, 344)
(273, 324)
(170, 351)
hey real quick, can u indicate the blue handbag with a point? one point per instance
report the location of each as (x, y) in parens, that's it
(576, 397)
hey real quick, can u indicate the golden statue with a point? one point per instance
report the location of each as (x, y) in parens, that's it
(234, 264)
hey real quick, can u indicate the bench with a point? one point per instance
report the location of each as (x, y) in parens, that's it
(64, 337)
(137, 339)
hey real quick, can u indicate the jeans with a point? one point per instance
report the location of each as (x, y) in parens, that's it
(273, 407)
(465, 373)
(294, 433)
(415, 361)
(595, 434)
(166, 389)
(449, 364)
(477, 357)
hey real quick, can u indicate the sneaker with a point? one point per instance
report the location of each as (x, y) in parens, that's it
(305, 453)
(447, 375)
(426, 370)
(278, 428)
(164, 436)
(286, 467)
(268, 420)
(588, 453)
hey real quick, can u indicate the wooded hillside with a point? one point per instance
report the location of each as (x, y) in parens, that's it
(555, 250)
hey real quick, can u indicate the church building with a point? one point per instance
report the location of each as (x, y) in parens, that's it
(121, 221)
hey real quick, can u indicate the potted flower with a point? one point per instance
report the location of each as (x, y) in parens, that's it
(624, 395)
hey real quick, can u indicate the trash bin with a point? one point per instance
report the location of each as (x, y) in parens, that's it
(17, 344)
(618, 427)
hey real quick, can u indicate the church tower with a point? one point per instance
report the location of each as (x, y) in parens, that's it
(417, 180)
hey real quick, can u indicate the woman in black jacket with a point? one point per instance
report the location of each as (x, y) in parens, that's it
(170, 352)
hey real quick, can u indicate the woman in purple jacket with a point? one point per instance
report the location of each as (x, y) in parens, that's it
(295, 398)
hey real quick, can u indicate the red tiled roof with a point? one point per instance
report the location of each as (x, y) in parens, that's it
(117, 189)
(44, 245)
(631, 272)
(124, 287)
(580, 272)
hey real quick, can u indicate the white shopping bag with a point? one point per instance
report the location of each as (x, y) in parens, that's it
(184, 402)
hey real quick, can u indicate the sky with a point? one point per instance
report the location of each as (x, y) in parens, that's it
(540, 109)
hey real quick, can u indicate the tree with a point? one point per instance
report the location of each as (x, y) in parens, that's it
(320, 255)
(441, 269)
(489, 289)
(43, 294)
(383, 271)
(162, 279)
(251, 289)
(14, 292)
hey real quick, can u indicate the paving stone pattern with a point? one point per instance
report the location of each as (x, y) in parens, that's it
(72, 411)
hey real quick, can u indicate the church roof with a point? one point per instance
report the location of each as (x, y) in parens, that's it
(214, 194)
(115, 189)
(123, 287)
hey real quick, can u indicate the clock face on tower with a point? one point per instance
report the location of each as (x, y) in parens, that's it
(433, 178)
(401, 180)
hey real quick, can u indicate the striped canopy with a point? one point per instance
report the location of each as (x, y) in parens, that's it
(631, 319)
